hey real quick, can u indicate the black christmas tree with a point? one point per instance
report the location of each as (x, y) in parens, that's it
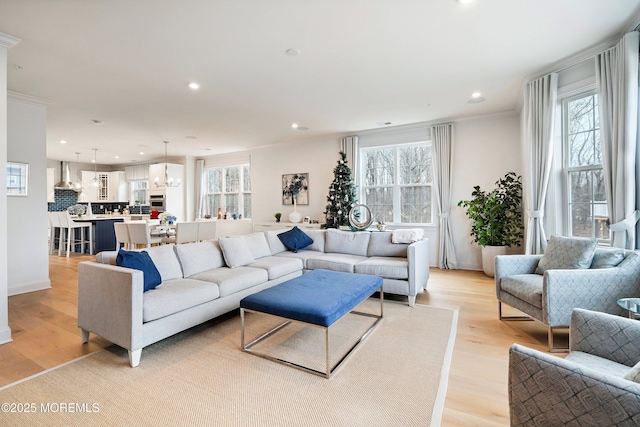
(342, 195)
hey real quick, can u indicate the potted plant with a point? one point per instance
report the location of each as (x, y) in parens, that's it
(497, 218)
(278, 215)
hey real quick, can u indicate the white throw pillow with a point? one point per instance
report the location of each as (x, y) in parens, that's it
(236, 251)
(634, 373)
(258, 245)
(407, 235)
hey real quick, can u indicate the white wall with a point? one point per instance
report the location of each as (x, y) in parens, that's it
(485, 149)
(268, 164)
(28, 259)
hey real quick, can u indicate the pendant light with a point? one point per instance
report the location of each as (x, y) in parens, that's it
(77, 184)
(96, 182)
(168, 181)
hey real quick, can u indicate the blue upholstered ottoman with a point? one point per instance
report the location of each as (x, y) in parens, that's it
(318, 298)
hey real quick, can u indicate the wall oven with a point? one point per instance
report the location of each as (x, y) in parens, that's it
(157, 202)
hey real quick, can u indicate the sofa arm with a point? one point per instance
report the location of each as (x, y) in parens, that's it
(509, 265)
(542, 388)
(605, 335)
(418, 264)
(110, 302)
(591, 289)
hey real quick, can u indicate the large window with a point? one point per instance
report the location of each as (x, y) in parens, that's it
(396, 183)
(229, 188)
(586, 198)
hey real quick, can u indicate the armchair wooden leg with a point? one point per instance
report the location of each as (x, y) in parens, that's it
(501, 317)
(553, 349)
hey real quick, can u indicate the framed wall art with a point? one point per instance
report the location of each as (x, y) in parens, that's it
(295, 185)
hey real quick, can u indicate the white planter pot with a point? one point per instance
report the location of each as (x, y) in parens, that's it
(295, 216)
(489, 258)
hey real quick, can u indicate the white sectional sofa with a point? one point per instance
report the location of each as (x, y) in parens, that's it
(203, 280)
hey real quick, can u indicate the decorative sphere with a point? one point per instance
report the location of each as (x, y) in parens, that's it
(339, 212)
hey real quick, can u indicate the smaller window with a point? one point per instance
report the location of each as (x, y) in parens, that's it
(17, 179)
(140, 192)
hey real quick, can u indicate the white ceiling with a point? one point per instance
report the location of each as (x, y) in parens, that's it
(362, 62)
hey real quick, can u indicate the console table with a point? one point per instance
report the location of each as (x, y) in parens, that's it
(272, 225)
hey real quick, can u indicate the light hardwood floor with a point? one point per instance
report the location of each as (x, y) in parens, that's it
(45, 335)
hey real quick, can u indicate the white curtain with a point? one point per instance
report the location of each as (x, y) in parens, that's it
(617, 82)
(200, 189)
(538, 122)
(442, 143)
(349, 145)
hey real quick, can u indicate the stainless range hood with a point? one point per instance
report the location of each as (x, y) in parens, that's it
(62, 184)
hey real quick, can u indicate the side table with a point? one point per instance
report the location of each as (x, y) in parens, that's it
(632, 305)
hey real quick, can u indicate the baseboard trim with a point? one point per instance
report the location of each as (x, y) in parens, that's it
(5, 335)
(29, 287)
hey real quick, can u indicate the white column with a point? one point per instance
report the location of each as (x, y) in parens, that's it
(6, 42)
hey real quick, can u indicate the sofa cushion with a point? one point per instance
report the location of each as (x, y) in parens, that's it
(176, 295)
(277, 266)
(567, 253)
(302, 255)
(633, 374)
(318, 237)
(107, 257)
(380, 245)
(232, 280)
(347, 242)
(335, 262)
(389, 268)
(599, 364)
(526, 287)
(140, 261)
(274, 242)
(295, 239)
(607, 258)
(198, 257)
(165, 259)
(258, 245)
(236, 251)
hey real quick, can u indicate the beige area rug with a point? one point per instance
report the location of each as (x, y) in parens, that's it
(396, 377)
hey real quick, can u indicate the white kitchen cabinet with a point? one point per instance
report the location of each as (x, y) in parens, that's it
(117, 191)
(89, 192)
(113, 188)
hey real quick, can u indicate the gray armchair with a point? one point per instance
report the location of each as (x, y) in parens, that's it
(588, 387)
(551, 297)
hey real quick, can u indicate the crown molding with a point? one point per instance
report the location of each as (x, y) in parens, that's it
(28, 98)
(8, 41)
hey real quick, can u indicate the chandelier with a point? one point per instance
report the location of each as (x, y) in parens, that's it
(168, 181)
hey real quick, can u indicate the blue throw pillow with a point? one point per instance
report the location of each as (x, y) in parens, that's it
(140, 261)
(295, 239)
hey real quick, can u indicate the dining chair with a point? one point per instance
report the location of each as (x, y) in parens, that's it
(206, 230)
(186, 232)
(140, 234)
(70, 227)
(122, 235)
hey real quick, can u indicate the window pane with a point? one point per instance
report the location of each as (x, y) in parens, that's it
(581, 150)
(581, 189)
(215, 181)
(415, 204)
(380, 202)
(379, 167)
(246, 178)
(600, 215)
(246, 200)
(415, 165)
(213, 203)
(231, 203)
(232, 181)
(581, 220)
(599, 194)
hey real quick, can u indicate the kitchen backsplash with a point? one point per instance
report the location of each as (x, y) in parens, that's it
(66, 198)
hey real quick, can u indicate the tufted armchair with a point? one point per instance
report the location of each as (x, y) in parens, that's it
(550, 297)
(595, 385)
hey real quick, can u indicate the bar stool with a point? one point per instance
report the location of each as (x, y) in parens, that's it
(70, 227)
(55, 228)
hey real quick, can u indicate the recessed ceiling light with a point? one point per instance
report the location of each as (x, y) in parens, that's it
(93, 160)
(293, 52)
(63, 142)
(97, 122)
(476, 94)
(18, 67)
(141, 153)
(383, 123)
(191, 137)
(117, 157)
(194, 85)
(294, 125)
(465, 1)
